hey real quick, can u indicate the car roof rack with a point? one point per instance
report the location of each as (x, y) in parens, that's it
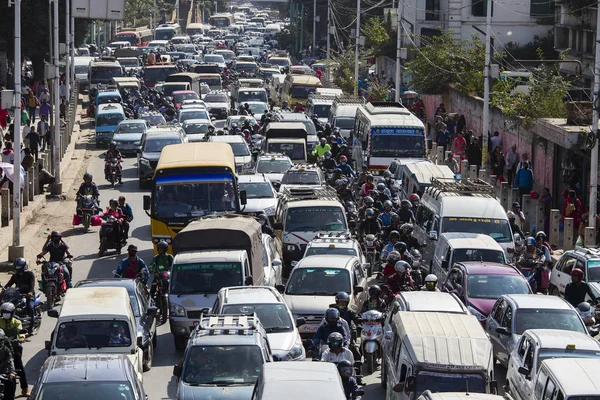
(458, 186)
(299, 193)
(230, 324)
(321, 96)
(346, 99)
(331, 235)
(592, 252)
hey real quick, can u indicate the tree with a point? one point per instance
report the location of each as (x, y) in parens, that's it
(342, 65)
(375, 34)
(443, 61)
(378, 91)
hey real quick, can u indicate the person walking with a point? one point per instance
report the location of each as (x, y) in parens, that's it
(460, 145)
(524, 180)
(512, 160)
(42, 130)
(34, 142)
(32, 105)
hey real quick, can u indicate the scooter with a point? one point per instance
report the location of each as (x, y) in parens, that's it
(161, 294)
(371, 252)
(53, 283)
(12, 295)
(107, 236)
(113, 171)
(371, 337)
(88, 208)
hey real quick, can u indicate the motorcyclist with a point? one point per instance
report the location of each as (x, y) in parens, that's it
(24, 280)
(392, 258)
(163, 261)
(406, 236)
(405, 213)
(345, 167)
(383, 192)
(370, 225)
(344, 152)
(577, 289)
(351, 388)
(285, 107)
(114, 211)
(335, 147)
(7, 367)
(327, 131)
(375, 301)
(513, 225)
(430, 283)
(402, 249)
(541, 236)
(401, 280)
(59, 253)
(12, 328)
(264, 224)
(414, 201)
(328, 163)
(367, 186)
(331, 323)
(321, 148)
(586, 312)
(113, 153)
(386, 216)
(342, 300)
(128, 214)
(394, 238)
(132, 266)
(87, 187)
(367, 203)
(336, 352)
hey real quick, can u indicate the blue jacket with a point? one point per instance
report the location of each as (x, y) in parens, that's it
(325, 330)
(386, 218)
(124, 265)
(523, 179)
(346, 169)
(127, 211)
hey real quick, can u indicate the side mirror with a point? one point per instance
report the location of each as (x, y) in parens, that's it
(594, 332)
(152, 310)
(280, 288)
(53, 313)
(243, 197)
(249, 281)
(276, 262)
(177, 371)
(524, 371)
(48, 345)
(358, 289)
(445, 264)
(278, 226)
(433, 235)
(300, 321)
(502, 330)
(146, 202)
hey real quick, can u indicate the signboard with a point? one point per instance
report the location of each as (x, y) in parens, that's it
(111, 10)
(398, 131)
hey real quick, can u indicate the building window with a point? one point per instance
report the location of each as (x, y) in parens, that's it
(432, 10)
(479, 8)
(541, 8)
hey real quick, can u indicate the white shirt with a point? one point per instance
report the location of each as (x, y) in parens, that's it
(26, 130)
(330, 356)
(45, 96)
(496, 141)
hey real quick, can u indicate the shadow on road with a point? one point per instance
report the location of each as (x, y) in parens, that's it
(103, 267)
(33, 366)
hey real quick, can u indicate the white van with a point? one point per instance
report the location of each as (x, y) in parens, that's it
(82, 69)
(343, 112)
(429, 395)
(88, 320)
(441, 352)
(458, 247)
(462, 206)
(415, 177)
(568, 379)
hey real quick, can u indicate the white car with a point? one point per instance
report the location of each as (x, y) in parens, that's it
(215, 59)
(302, 176)
(262, 198)
(218, 104)
(325, 244)
(241, 151)
(192, 113)
(273, 166)
(257, 108)
(272, 261)
(128, 134)
(273, 313)
(587, 260)
(196, 129)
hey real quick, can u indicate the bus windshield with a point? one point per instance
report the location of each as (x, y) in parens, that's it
(158, 74)
(302, 92)
(397, 146)
(128, 37)
(219, 22)
(164, 34)
(498, 229)
(105, 74)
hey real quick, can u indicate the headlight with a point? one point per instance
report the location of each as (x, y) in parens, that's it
(480, 317)
(295, 352)
(177, 310)
(270, 211)
(290, 247)
(145, 162)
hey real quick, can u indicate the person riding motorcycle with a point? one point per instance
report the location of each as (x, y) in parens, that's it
(414, 201)
(59, 253)
(87, 187)
(516, 229)
(375, 301)
(113, 153)
(349, 384)
(367, 186)
(329, 163)
(407, 236)
(12, 328)
(401, 280)
(392, 258)
(128, 213)
(342, 300)
(386, 216)
(345, 167)
(383, 193)
(393, 237)
(577, 289)
(285, 107)
(163, 261)
(331, 323)
(430, 283)
(402, 249)
(7, 367)
(336, 352)
(405, 213)
(321, 148)
(114, 211)
(541, 236)
(24, 281)
(367, 203)
(132, 266)
(370, 225)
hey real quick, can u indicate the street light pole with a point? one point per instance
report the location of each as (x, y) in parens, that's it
(486, 85)
(16, 193)
(398, 53)
(67, 47)
(328, 27)
(594, 155)
(357, 46)
(314, 33)
(56, 188)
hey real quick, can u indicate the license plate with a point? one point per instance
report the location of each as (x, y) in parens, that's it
(370, 323)
(308, 328)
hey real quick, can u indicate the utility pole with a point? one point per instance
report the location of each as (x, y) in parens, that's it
(301, 27)
(67, 48)
(357, 45)
(56, 188)
(594, 155)
(328, 27)
(486, 85)
(398, 54)
(177, 10)
(72, 50)
(154, 16)
(314, 43)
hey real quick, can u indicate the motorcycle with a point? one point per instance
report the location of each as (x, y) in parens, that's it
(52, 284)
(161, 294)
(589, 319)
(417, 273)
(371, 252)
(87, 209)
(527, 267)
(107, 235)
(112, 167)
(371, 338)
(12, 295)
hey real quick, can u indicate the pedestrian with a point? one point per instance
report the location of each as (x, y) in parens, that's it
(443, 137)
(474, 152)
(496, 141)
(28, 159)
(42, 130)
(26, 130)
(8, 153)
(461, 125)
(63, 109)
(45, 177)
(460, 145)
(34, 142)
(546, 199)
(498, 164)
(524, 159)
(512, 160)
(572, 208)
(524, 180)
(452, 164)
(44, 96)
(45, 109)
(32, 105)
(441, 110)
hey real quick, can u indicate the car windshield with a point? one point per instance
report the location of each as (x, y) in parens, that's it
(164, 34)
(302, 92)
(257, 190)
(196, 199)
(301, 178)
(81, 69)
(318, 281)
(239, 149)
(154, 119)
(222, 365)
(439, 382)
(216, 98)
(195, 128)
(498, 229)
(321, 110)
(593, 270)
(109, 119)
(494, 286)
(207, 277)
(281, 62)
(532, 318)
(481, 255)
(193, 114)
(277, 166)
(133, 62)
(273, 317)
(344, 123)
(180, 97)
(108, 99)
(397, 146)
(211, 81)
(132, 127)
(294, 151)
(258, 108)
(155, 145)
(214, 58)
(343, 251)
(105, 74)
(89, 334)
(252, 95)
(89, 390)
(313, 219)
(170, 88)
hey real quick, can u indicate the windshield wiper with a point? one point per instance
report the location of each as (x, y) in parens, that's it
(228, 383)
(277, 328)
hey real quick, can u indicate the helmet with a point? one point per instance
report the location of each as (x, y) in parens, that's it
(20, 264)
(387, 203)
(374, 291)
(414, 197)
(577, 272)
(400, 247)
(340, 182)
(381, 186)
(323, 141)
(327, 125)
(55, 235)
(396, 234)
(406, 227)
(332, 313)
(7, 308)
(541, 235)
(343, 159)
(511, 215)
(387, 175)
(402, 266)
(370, 213)
(393, 166)
(113, 201)
(345, 368)
(328, 154)
(405, 204)
(530, 241)
(335, 340)
(87, 176)
(112, 144)
(331, 138)
(416, 255)
(395, 218)
(162, 245)
(431, 278)
(337, 172)
(516, 205)
(394, 256)
(368, 200)
(342, 296)
(430, 282)
(584, 309)
(263, 219)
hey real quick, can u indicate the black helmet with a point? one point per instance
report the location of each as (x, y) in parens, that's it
(132, 247)
(20, 264)
(395, 234)
(335, 340)
(406, 227)
(388, 203)
(400, 247)
(55, 235)
(370, 213)
(162, 245)
(405, 204)
(263, 220)
(394, 256)
(345, 368)
(332, 313)
(374, 291)
(87, 176)
(342, 296)
(368, 200)
(328, 154)
(387, 175)
(113, 201)
(381, 186)
(112, 144)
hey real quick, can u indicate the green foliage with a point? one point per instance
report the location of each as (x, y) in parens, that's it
(375, 34)
(443, 61)
(378, 92)
(529, 51)
(342, 65)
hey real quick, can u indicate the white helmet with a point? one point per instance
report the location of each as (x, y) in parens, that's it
(431, 278)
(402, 266)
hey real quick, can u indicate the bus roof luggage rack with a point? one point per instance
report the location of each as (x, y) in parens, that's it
(230, 324)
(321, 96)
(384, 107)
(477, 186)
(347, 99)
(309, 193)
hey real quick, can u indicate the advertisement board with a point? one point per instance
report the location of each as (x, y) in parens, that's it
(106, 10)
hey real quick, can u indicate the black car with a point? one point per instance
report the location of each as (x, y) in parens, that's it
(150, 148)
(88, 376)
(142, 305)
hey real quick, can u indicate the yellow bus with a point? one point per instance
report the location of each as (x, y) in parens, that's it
(191, 180)
(297, 87)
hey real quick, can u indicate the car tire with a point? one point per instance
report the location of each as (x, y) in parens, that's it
(180, 342)
(383, 375)
(148, 357)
